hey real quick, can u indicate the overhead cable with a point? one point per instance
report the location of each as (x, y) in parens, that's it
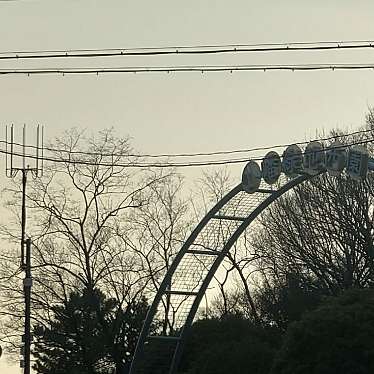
(184, 68)
(131, 164)
(189, 50)
(196, 154)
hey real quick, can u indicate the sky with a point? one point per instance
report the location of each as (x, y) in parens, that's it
(187, 112)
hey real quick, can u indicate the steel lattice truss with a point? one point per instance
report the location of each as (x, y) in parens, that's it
(160, 344)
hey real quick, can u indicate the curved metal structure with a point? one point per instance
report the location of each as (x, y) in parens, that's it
(187, 279)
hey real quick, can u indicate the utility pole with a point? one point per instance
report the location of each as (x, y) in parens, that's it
(27, 284)
(12, 153)
(23, 216)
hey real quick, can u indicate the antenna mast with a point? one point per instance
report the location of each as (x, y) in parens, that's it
(16, 151)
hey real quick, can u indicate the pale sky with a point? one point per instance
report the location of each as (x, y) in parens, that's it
(188, 112)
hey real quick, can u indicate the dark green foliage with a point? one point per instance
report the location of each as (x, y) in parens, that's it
(335, 338)
(229, 345)
(89, 334)
(282, 304)
(156, 358)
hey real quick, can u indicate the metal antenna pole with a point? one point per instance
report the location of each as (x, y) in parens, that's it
(27, 284)
(23, 217)
(11, 172)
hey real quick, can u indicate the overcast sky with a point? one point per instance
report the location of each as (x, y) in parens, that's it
(188, 112)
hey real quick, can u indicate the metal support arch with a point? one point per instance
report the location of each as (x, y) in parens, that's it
(237, 214)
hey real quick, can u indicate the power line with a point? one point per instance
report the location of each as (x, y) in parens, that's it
(175, 155)
(287, 45)
(184, 68)
(158, 165)
(190, 50)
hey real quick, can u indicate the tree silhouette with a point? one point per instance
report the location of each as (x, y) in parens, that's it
(89, 334)
(335, 338)
(231, 344)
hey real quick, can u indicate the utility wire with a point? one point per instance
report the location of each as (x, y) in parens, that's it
(184, 68)
(191, 49)
(217, 49)
(252, 45)
(175, 155)
(157, 165)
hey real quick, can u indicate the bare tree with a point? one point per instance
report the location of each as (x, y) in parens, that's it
(94, 222)
(318, 239)
(320, 234)
(233, 279)
(158, 231)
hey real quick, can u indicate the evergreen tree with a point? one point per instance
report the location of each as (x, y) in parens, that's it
(231, 344)
(89, 334)
(335, 338)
